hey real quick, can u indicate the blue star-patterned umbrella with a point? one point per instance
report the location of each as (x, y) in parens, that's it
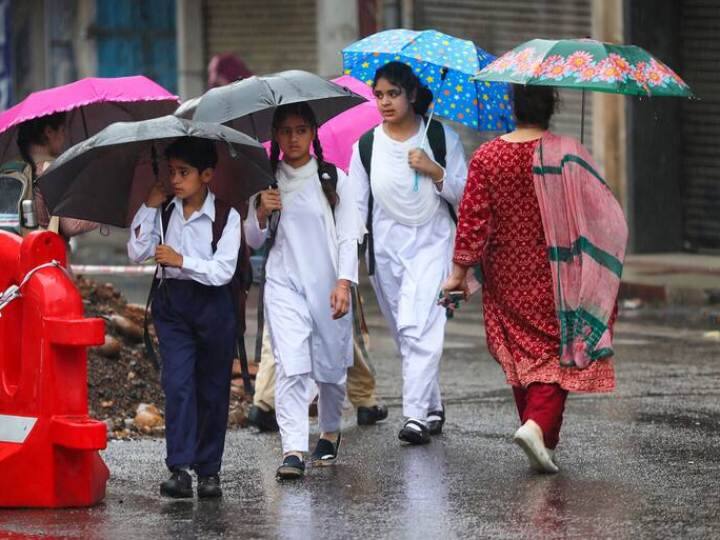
(443, 63)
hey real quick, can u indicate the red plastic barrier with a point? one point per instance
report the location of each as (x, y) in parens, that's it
(48, 443)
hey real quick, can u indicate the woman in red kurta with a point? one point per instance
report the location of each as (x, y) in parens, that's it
(500, 228)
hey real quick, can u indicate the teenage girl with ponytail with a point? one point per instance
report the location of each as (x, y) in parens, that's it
(312, 263)
(40, 142)
(409, 201)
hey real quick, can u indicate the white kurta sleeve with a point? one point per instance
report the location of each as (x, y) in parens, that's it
(360, 182)
(350, 229)
(219, 270)
(254, 235)
(144, 234)
(455, 168)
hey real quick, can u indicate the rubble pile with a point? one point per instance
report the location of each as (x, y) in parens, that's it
(123, 384)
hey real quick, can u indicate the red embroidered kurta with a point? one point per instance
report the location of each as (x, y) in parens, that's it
(500, 227)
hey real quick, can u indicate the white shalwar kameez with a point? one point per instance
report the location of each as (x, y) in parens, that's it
(312, 250)
(413, 235)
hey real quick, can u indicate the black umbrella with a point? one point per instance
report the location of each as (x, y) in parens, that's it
(249, 105)
(106, 178)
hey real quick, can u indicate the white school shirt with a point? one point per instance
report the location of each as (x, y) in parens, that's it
(192, 238)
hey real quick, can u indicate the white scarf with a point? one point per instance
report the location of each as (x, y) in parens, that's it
(393, 180)
(291, 181)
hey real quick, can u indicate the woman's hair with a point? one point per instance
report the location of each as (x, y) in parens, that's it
(402, 75)
(304, 111)
(534, 105)
(195, 151)
(33, 132)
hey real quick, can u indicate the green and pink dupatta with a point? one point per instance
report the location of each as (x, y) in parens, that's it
(586, 235)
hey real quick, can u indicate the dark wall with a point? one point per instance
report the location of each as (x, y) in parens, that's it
(654, 162)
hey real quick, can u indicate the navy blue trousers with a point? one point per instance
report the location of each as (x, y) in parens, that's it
(196, 328)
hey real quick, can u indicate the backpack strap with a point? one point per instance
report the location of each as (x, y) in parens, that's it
(222, 212)
(328, 175)
(166, 210)
(365, 146)
(239, 285)
(436, 138)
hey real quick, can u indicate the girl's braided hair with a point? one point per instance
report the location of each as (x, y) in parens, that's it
(304, 111)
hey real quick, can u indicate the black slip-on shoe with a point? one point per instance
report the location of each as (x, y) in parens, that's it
(178, 486)
(414, 432)
(326, 452)
(436, 421)
(292, 468)
(209, 487)
(265, 421)
(367, 416)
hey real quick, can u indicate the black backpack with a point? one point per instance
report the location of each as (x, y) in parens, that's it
(239, 284)
(436, 138)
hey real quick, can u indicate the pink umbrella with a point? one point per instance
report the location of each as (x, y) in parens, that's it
(92, 104)
(338, 134)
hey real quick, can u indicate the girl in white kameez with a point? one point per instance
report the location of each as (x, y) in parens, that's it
(311, 266)
(412, 223)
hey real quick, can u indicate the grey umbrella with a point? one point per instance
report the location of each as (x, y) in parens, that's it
(107, 177)
(248, 105)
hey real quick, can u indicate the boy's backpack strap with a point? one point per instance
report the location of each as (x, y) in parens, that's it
(166, 210)
(222, 212)
(239, 284)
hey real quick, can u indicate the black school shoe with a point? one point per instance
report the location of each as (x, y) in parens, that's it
(436, 421)
(265, 421)
(209, 487)
(178, 486)
(414, 432)
(292, 468)
(367, 416)
(325, 452)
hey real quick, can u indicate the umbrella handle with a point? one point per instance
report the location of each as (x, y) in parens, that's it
(416, 184)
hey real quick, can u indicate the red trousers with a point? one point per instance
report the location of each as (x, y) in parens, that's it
(544, 404)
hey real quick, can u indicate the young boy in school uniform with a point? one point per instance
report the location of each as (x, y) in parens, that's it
(192, 311)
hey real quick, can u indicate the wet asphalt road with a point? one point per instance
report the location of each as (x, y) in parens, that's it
(643, 462)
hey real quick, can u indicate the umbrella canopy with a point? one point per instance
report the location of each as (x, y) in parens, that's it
(106, 178)
(339, 134)
(446, 65)
(249, 105)
(588, 65)
(92, 104)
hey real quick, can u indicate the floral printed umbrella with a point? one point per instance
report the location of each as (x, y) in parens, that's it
(446, 65)
(588, 65)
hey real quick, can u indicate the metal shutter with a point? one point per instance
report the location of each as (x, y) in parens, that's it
(499, 25)
(269, 35)
(701, 124)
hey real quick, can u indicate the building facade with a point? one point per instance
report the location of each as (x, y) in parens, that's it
(658, 155)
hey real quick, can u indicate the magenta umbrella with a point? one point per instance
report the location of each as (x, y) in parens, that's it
(91, 105)
(338, 134)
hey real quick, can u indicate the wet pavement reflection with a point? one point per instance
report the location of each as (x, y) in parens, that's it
(640, 463)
